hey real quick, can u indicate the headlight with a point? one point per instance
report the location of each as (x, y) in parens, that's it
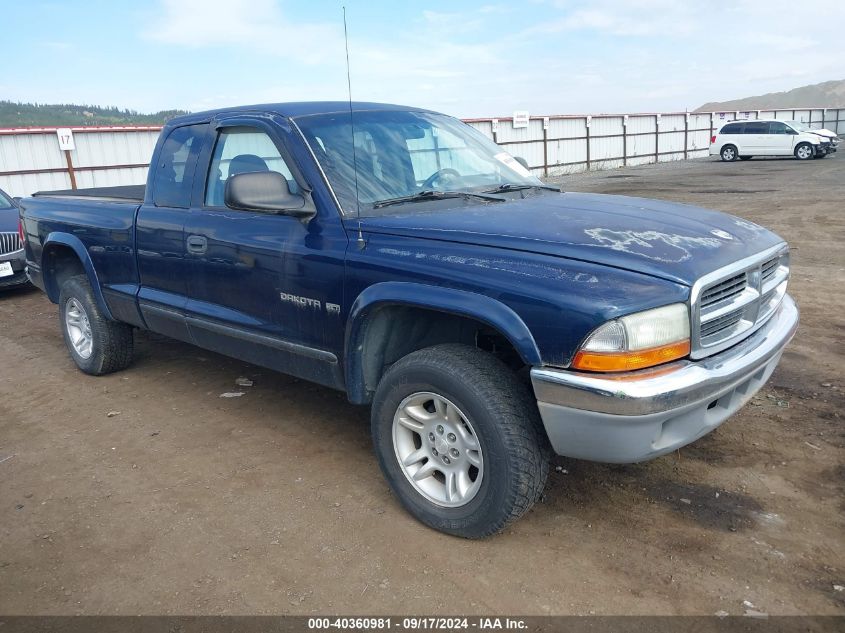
(636, 341)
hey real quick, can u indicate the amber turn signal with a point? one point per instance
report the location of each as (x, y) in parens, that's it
(627, 361)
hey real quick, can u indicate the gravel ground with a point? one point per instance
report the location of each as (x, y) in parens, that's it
(145, 492)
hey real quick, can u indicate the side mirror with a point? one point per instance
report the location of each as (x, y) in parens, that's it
(265, 191)
(522, 161)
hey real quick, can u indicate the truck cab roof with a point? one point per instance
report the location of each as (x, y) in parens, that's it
(293, 109)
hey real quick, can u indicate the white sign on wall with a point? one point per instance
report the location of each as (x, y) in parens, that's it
(65, 135)
(520, 118)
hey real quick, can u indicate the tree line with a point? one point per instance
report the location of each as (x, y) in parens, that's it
(14, 114)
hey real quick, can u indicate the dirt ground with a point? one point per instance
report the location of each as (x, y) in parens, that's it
(271, 503)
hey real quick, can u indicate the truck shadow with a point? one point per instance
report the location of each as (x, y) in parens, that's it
(16, 292)
(575, 487)
(634, 488)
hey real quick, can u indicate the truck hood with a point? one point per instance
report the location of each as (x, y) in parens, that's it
(672, 241)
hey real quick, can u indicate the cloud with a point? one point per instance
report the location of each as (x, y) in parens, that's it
(430, 56)
(782, 42)
(495, 8)
(256, 24)
(634, 18)
(552, 56)
(462, 22)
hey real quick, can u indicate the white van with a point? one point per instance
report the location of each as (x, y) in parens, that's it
(769, 137)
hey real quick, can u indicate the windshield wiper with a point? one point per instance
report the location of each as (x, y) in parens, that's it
(511, 187)
(422, 196)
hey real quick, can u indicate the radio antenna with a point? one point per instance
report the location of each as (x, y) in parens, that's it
(352, 128)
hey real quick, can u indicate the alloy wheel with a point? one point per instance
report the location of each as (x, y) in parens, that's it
(438, 449)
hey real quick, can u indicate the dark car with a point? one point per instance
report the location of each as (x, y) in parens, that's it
(12, 257)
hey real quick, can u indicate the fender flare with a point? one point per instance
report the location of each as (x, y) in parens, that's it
(76, 245)
(437, 298)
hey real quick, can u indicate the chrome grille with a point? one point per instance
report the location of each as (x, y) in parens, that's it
(770, 268)
(724, 290)
(733, 302)
(9, 243)
(720, 323)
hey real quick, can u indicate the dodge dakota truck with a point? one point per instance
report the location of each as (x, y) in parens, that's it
(402, 257)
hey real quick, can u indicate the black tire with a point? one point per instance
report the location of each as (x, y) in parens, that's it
(111, 342)
(800, 154)
(745, 157)
(504, 418)
(729, 153)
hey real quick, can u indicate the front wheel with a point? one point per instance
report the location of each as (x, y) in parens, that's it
(804, 151)
(459, 439)
(97, 345)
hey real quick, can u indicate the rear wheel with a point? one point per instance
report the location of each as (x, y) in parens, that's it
(804, 151)
(728, 153)
(96, 344)
(459, 439)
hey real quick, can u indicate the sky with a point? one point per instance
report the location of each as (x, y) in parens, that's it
(467, 59)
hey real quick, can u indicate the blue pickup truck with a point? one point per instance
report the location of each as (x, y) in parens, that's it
(402, 257)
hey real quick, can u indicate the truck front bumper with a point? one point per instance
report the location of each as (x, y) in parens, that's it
(636, 416)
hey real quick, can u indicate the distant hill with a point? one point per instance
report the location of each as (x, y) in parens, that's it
(829, 94)
(65, 114)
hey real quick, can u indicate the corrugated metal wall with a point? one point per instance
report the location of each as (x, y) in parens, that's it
(30, 159)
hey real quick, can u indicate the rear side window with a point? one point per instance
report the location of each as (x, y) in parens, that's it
(732, 128)
(174, 176)
(757, 127)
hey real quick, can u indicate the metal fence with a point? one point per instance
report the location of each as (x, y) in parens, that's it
(564, 144)
(32, 159)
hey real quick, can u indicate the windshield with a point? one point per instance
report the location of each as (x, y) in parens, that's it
(797, 125)
(399, 154)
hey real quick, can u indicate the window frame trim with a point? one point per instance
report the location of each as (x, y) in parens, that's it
(739, 124)
(195, 161)
(262, 122)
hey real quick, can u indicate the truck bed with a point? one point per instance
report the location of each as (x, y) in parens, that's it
(95, 226)
(125, 193)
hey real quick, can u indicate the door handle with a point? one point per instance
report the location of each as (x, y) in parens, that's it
(197, 244)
